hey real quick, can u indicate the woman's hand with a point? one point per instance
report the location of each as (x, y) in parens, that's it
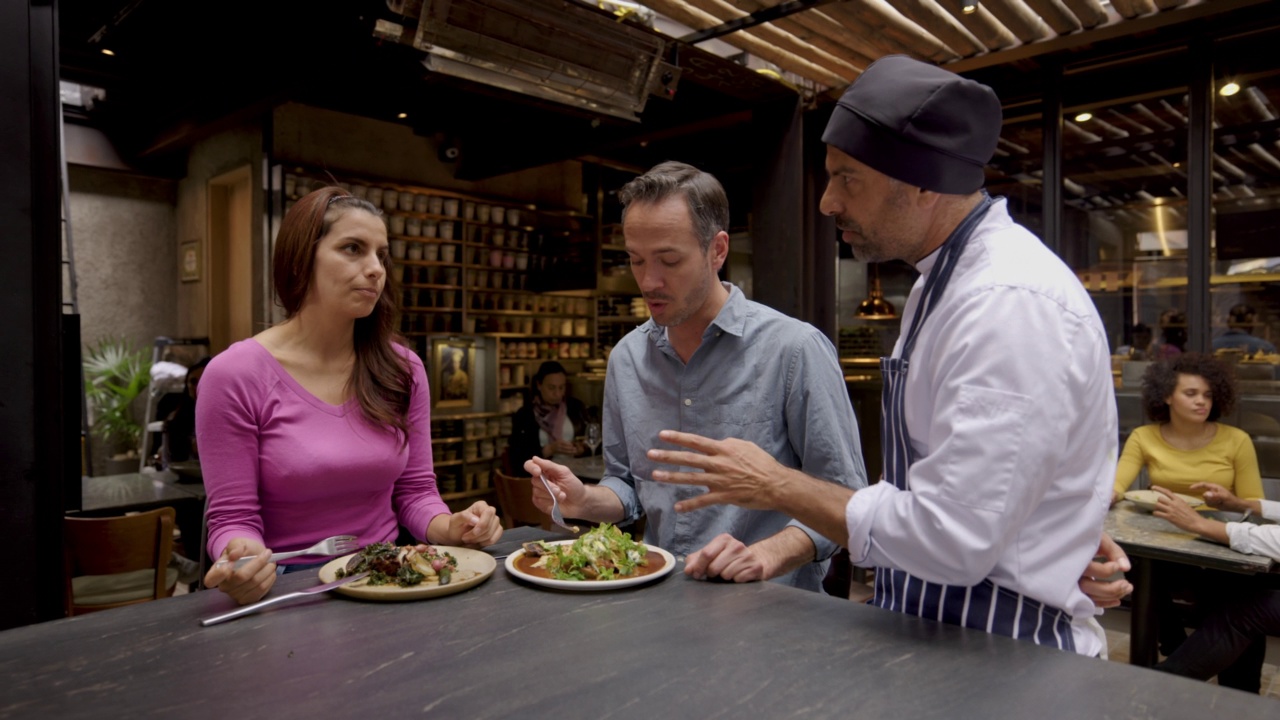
(475, 527)
(1116, 497)
(1219, 497)
(250, 582)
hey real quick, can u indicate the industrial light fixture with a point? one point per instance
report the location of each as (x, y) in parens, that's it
(969, 8)
(1231, 88)
(875, 307)
(1084, 117)
(402, 115)
(108, 51)
(549, 49)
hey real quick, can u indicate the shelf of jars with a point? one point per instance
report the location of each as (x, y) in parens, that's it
(466, 449)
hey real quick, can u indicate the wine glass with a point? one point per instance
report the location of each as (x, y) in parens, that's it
(593, 436)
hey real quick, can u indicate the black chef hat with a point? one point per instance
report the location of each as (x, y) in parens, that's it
(918, 123)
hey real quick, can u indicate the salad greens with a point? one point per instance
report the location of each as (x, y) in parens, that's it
(602, 553)
(405, 566)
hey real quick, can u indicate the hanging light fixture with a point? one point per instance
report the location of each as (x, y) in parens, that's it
(875, 307)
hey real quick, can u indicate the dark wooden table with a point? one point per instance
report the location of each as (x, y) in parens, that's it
(588, 469)
(118, 494)
(1146, 539)
(679, 648)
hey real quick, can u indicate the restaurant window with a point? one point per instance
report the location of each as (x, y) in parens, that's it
(1244, 285)
(1124, 205)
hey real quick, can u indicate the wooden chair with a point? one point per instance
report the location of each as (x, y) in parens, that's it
(117, 561)
(515, 498)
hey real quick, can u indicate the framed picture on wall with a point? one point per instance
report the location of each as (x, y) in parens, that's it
(453, 363)
(189, 261)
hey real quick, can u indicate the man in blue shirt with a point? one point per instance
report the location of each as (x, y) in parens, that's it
(1239, 323)
(714, 363)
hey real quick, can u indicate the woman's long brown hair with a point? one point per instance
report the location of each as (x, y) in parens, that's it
(381, 379)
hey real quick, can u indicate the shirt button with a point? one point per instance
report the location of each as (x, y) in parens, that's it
(688, 402)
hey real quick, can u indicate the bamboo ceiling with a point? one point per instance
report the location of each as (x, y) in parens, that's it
(830, 43)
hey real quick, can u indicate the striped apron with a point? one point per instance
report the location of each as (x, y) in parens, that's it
(985, 606)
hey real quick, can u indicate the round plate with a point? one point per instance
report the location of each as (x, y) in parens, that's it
(1148, 499)
(474, 567)
(591, 585)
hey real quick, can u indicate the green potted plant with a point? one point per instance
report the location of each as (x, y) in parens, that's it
(115, 374)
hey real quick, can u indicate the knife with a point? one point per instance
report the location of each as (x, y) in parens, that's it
(248, 609)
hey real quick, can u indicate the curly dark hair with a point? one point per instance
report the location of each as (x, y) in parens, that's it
(1161, 379)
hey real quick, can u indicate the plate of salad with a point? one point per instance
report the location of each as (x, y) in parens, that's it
(603, 558)
(409, 572)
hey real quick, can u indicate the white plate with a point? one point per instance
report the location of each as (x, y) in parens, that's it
(1149, 499)
(669, 564)
(473, 568)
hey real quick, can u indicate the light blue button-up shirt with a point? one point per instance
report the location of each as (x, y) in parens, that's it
(758, 375)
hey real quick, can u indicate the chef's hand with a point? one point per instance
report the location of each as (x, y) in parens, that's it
(252, 581)
(1109, 560)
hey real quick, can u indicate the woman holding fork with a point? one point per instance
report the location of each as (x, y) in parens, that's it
(320, 425)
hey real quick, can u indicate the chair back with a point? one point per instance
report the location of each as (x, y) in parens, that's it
(515, 498)
(117, 561)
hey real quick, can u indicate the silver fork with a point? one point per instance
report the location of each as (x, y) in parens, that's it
(336, 545)
(557, 517)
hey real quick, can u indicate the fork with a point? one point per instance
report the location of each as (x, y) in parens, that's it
(557, 517)
(247, 609)
(336, 545)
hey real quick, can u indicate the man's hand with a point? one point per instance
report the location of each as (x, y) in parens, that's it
(1219, 497)
(1177, 511)
(729, 558)
(735, 472)
(1103, 592)
(570, 492)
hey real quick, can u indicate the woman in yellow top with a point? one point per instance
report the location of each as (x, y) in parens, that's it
(1184, 445)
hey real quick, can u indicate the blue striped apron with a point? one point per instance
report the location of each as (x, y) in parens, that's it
(985, 606)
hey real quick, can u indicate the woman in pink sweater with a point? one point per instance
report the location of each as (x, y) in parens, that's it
(320, 425)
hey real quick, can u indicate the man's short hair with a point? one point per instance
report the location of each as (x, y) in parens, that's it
(702, 192)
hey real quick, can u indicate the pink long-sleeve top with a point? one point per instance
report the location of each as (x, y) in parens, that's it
(286, 468)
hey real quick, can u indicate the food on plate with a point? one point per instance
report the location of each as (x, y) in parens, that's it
(602, 553)
(406, 566)
(1149, 499)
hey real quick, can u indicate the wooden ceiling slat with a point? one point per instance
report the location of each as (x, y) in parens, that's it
(866, 34)
(1056, 15)
(938, 22)
(881, 17)
(697, 19)
(1090, 12)
(1133, 8)
(1020, 19)
(984, 26)
(784, 41)
(820, 30)
(863, 33)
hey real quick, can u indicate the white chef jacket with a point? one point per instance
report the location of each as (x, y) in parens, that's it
(1258, 539)
(1011, 412)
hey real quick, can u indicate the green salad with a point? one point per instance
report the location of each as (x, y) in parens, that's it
(603, 553)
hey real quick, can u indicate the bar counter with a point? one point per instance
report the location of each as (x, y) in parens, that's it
(675, 648)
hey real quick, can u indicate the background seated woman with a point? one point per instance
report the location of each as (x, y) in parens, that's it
(547, 426)
(1184, 444)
